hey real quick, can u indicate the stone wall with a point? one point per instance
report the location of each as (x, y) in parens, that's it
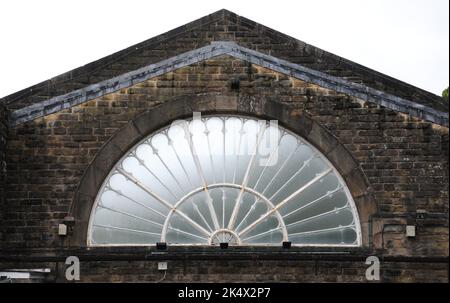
(405, 160)
(241, 271)
(245, 271)
(3, 139)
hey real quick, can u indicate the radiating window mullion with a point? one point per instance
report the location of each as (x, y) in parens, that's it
(313, 202)
(165, 203)
(317, 216)
(238, 152)
(144, 187)
(304, 187)
(224, 149)
(186, 233)
(187, 176)
(282, 203)
(245, 178)
(192, 222)
(130, 215)
(305, 164)
(223, 207)
(200, 171)
(181, 163)
(248, 213)
(127, 229)
(269, 161)
(321, 230)
(201, 216)
(206, 132)
(139, 203)
(156, 152)
(280, 169)
(142, 162)
(262, 234)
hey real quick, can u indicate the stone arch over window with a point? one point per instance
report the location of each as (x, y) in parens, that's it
(90, 230)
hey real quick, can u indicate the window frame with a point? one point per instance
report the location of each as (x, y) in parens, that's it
(352, 204)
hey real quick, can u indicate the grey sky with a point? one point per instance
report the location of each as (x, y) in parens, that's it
(406, 39)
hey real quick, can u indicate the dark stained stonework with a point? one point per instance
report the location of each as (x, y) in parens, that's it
(4, 123)
(395, 165)
(233, 266)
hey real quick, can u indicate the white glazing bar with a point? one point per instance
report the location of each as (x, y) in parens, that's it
(164, 202)
(192, 222)
(201, 216)
(263, 233)
(144, 187)
(313, 202)
(136, 202)
(224, 121)
(130, 215)
(245, 179)
(223, 207)
(200, 171)
(281, 204)
(142, 163)
(274, 152)
(181, 163)
(186, 233)
(127, 229)
(291, 154)
(302, 189)
(209, 151)
(156, 152)
(248, 213)
(298, 172)
(323, 230)
(241, 132)
(189, 180)
(317, 216)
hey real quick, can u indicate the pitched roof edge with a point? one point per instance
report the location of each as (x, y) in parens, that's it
(109, 59)
(214, 17)
(348, 63)
(233, 49)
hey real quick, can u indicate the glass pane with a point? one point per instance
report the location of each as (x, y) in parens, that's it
(224, 175)
(336, 237)
(328, 220)
(101, 235)
(180, 231)
(268, 224)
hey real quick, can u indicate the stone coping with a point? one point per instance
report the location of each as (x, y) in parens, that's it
(219, 48)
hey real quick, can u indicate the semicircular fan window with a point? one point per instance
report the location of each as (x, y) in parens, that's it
(224, 179)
